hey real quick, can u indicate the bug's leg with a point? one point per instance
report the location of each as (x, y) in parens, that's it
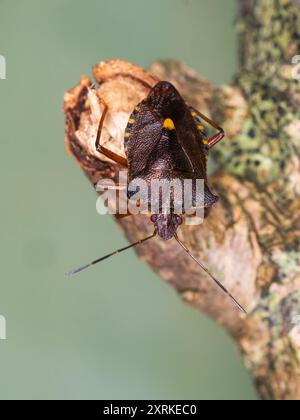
(216, 138)
(101, 186)
(119, 197)
(122, 216)
(106, 152)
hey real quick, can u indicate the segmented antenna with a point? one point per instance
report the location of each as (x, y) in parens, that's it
(118, 251)
(211, 276)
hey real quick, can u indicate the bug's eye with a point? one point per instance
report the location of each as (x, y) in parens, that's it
(153, 218)
(179, 220)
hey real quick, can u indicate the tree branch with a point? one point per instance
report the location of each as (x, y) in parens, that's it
(251, 238)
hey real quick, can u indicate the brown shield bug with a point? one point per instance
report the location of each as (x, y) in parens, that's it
(164, 138)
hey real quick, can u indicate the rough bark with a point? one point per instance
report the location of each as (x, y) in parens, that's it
(251, 238)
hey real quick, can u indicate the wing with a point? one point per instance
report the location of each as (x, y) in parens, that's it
(142, 135)
(191, 141)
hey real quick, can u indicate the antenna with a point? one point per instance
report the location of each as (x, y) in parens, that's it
(212, 277)
(118, 251)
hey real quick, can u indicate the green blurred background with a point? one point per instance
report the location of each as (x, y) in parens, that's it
(116, 331)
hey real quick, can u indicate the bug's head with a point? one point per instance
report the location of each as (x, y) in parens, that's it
(166, 224)
(165, 99)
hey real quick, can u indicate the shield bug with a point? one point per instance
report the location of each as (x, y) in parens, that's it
(165, 138)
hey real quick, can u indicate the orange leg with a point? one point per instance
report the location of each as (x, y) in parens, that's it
(216, 138)
(106, 152)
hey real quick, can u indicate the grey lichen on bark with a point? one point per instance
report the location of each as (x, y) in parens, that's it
(251, 239)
